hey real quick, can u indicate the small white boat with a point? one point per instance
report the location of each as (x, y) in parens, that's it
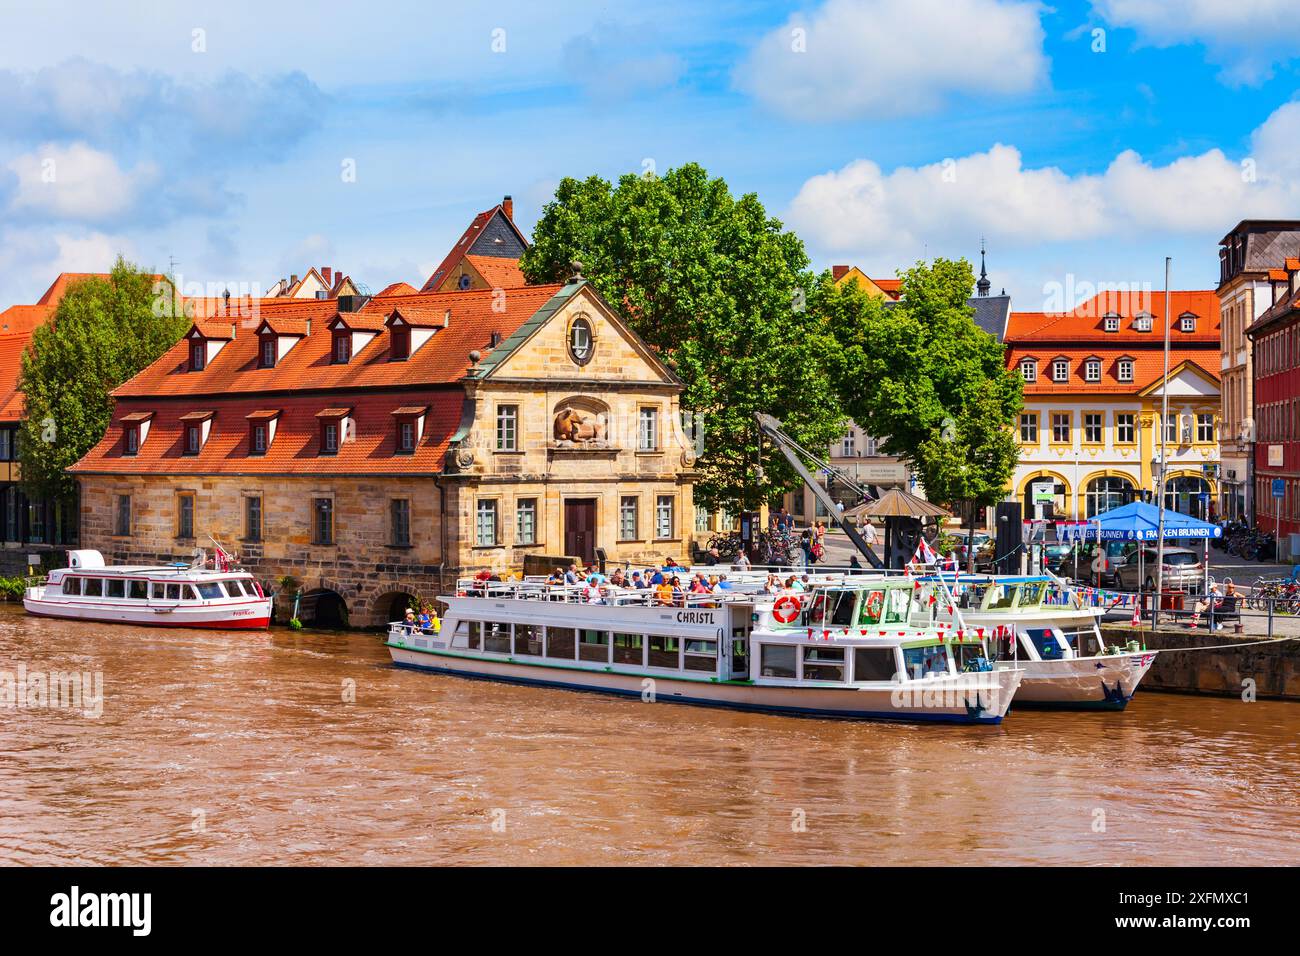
(1038, 624)
(163, 596)
(839, 650)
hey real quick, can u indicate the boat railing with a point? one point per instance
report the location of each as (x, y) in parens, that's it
(603, 594)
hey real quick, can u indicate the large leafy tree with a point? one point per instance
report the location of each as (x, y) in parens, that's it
(103, 332)
(930, 382)
(718, 287)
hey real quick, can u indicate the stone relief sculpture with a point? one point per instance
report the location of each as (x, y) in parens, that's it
(575, 427)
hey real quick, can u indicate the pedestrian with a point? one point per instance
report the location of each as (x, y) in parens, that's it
(742, 561)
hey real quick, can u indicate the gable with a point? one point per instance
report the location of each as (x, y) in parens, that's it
(543, 351)
(498, 239)
(1186, 381)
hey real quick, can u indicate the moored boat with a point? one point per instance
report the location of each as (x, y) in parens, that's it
(839, 650)
(155, 596)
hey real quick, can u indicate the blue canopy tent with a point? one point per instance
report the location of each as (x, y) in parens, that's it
(1140, 521)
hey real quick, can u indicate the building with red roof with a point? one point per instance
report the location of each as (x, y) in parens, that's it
(376, 448)
(486, 256)
(1094, 381)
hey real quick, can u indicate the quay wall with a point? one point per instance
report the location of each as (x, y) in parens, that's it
(1219, 671)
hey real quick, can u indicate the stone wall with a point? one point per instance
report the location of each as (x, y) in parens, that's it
(1273, 666)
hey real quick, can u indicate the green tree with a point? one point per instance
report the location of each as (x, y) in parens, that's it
(717, 287)
(928, 381)
(103, 332)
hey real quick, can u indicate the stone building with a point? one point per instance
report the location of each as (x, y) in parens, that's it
(375, 448)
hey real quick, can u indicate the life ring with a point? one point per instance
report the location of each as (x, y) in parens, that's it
(786, 608)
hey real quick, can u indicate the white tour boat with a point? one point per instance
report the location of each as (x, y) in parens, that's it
(1039, 625)
(839, 650)
(164, 596)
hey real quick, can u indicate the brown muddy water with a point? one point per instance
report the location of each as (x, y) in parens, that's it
(234, 748)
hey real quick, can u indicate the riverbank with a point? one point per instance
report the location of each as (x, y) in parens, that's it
(1219, 663)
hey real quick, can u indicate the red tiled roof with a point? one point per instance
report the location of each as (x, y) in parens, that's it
(443, 359)
(12, 347)
(463, 244)
(497, 272)
(399, 288)
(1148, 367)
(892, 287)
(1086, 323)
(296, 447)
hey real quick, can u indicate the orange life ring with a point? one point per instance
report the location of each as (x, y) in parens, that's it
(786, 608)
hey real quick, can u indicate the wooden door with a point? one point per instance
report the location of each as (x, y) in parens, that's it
(580, 528)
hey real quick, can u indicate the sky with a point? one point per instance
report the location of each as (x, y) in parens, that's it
(238, 142)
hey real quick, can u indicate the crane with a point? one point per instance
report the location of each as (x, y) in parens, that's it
(793, 451)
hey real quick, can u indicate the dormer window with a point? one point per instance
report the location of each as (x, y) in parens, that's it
(333, 429)
(1124, 369)
(1111, 322)
(400, 345)
(1187, 323)
(195, 428)
(198, 355)
(1060, 370)
(267, 352)
(1029, 370)
(342, 348)
(261, 431)
(409, 428)
(1092, 370)
(1143, 322)
(135, 428)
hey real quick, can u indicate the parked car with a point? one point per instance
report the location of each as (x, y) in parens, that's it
(1183, 569)
(981, 540)
(1080, 564)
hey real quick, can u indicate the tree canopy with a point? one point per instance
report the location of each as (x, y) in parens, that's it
(102, 333)
(718, 287)
(924, 378)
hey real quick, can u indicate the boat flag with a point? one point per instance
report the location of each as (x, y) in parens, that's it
(924, 554)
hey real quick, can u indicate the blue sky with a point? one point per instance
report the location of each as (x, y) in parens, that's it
(216, 134)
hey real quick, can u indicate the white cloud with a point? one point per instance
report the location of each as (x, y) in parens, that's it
(895, 57)
(76, 182)
(1247, 38)
(860, 208)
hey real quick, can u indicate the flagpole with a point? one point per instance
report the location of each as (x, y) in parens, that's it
(1160, 486)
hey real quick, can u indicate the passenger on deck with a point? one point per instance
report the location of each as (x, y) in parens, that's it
(412, 625)
(571, 576)
(663, 592)
(679, 592)
(638, 581)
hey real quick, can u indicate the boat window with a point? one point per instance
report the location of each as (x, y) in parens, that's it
(234, 587)
(629, 649)
(560, 643)
(138, 590)
(173, 592)
(841, 607)
(701, 655)
(210, 590)
(466, 635)
(116, 588)
(663, 651)
(72, 585)
(778, 660)
(496, 637)
(188, 592)
(1031, 593)
(896, 602)
(528, 639)
(823, 663)
(94, 587)
(593, 646)
(966, 653)
(1002, 597)
(922, 661)
(874, 663)
(1044, 641)
(872, 605)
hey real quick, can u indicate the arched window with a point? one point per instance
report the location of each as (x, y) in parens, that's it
(1188, 494)
(1106, 493)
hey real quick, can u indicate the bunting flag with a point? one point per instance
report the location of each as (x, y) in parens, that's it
(924, 555)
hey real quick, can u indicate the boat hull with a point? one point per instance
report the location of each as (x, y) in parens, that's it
(1105, 682)
(966, 699)
(253, 617)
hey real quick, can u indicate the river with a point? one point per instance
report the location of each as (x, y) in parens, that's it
(310, 748)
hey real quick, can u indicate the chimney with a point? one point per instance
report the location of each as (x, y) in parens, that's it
(293, 280)
(325, 273)
(838, 272)
(508, 206)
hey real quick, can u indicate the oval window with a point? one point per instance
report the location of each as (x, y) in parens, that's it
(580, 340)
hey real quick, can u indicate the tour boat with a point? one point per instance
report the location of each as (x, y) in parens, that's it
(838, 650)
(161, 596)
(1038, 624)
